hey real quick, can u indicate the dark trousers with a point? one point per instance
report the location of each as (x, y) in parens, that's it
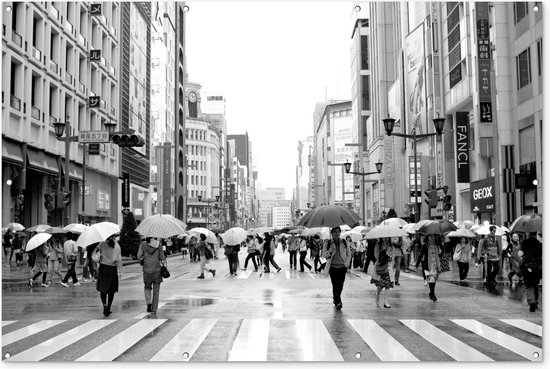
(71, 273)
(292, 258)
(250, 256)
(463, 269)
(303, 261)
(337, 278)
(269, 259)
(317, 261)
(492, 271)
(370, 258)
(233, 260)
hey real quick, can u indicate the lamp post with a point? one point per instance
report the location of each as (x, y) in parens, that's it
(378, 165)
(438, 124)
(208, 202)
(59, 128)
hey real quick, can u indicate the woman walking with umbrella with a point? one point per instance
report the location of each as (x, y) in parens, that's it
(431, 264)
(110, 270)
(383, 252)
(38, 246)
(201, 250)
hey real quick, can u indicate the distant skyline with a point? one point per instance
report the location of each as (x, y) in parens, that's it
(273, 61)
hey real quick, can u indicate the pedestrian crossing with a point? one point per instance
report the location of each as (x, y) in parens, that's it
(249, 274)
(263, 339)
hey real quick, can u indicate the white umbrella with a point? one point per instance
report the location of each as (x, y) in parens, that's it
(485, 230)
(39, 228)
(462, 232)
(55, 230)
(420, 224)
(37, 240)
(464, 224)
(345, 227)
(210, 236)
(361, 229)
(315, 230)
(398, 222)
(262, 230)
(75, 228)
(234, 236)
(160, 226)
(15, 227)
(355, 236)
(409, 228)
(382, 231)
(97, 233)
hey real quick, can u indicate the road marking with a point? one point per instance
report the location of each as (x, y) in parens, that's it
(456, 349)
(311, 275)
(511, 343)
(251, 341)
(117, 345)
(244, 274)
(53, 345)
(525, 325)
(143, 315)
(287, 274)
(186, 341)
(29, 330)
(130, 275)
(316, 342)
(8, 322)
(381, 342)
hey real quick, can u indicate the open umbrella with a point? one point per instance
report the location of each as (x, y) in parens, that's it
(420, 223)
(409, 228)
(382, 231)
(462, 232)
(355, 236)
(527, 223)
(55, 230)
(464, 224)
(398, 222)
(160, 226)
(15, 227)
(75, 228)
(315, 230)
(262, 230)
(39, 228)
(345, 227)
(437, 227)
(234, 236)
(210, 236)
(37, 240)
(484, 229)
(329, 216)
(361, 229)
(295, 231)
(97, 233)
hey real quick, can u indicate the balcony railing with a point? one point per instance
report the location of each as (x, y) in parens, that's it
(37, 54)
(82, 40)
(15, 102)
(54, 12)
(53, 66)
(69, 27)
(68, 78)
(16, 38)
(35, 113)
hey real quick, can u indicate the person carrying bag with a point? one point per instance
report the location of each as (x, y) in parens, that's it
(152, 259)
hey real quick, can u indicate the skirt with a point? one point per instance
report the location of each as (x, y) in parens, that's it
(383, 282)
(107, 279)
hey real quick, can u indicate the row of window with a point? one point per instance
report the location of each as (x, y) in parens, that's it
(195, 134)
(196, 150)
(523, 65)
(196, 164)
(195, 179)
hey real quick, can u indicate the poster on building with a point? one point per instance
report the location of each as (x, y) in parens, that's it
(415, 79)
(343, 125)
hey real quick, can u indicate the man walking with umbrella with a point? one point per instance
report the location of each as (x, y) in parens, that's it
(491, 249)
(531, 268)
(338, 255)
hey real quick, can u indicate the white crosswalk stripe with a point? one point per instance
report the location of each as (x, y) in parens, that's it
(28, 330)
(513, 344)
(7, 322)
(117, 345)
(251, 342)
(61, 341)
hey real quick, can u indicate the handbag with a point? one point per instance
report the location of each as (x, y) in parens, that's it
(456, 255)
(444, 263)
(164, 271)
(208, 254)
(71, 258)
(96, 255)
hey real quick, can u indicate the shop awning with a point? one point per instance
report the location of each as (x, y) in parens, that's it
(75, 171)
(40, 161)
(11, 152)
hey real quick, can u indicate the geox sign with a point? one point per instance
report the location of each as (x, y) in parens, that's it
(482, 196)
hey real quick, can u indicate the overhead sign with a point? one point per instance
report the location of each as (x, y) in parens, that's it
(482, 196)
(93, 137)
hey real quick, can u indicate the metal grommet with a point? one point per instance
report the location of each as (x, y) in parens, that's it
(357, 8)
(358, 355)
(185, 355)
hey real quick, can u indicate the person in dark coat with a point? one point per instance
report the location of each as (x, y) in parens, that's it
(531, 268)
(150, 256)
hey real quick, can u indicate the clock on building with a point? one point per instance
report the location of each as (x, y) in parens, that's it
(192, 96)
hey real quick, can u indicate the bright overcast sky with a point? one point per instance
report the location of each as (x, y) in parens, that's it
(273, 61)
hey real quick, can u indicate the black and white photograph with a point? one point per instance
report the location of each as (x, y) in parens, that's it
(272, 182)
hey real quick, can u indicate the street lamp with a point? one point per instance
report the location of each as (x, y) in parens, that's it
(378, 165)
(439, 123)
(208, 202)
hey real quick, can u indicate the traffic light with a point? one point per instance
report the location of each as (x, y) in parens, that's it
(447, 203)
(124, 140)
(431, 198)
(49, 201)
(63, 198)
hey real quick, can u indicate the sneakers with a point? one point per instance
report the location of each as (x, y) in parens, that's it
(425, 282)
(532, 307)
(278, 270)
(213, 271)
(45, 285)
(339, 306)
(397, 283)
(76, 284)
(106, 310)
(149, 308)
(30, 282)
(201, 276)
(387, 306)
(64, 284)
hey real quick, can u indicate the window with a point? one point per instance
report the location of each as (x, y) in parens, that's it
(365, 92)
(364, 52)
(523, 68)
(520, 11)
(539, 56)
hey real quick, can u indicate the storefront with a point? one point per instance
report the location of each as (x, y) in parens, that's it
(482, 200)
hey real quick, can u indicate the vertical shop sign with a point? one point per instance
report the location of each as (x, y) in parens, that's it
(462, 148)
(484, 62)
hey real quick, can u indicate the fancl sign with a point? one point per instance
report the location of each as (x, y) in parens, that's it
(482, 196)
(462, 148)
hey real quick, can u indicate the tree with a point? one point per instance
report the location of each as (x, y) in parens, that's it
(392, 213)
(129, 238)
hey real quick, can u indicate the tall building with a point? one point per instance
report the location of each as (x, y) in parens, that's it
(303, 174)
(268, 199)
(60, 63)
(280, 216)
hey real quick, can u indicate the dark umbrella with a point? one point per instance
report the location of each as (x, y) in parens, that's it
(437, 227)
(527, 223)
(328, 216)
